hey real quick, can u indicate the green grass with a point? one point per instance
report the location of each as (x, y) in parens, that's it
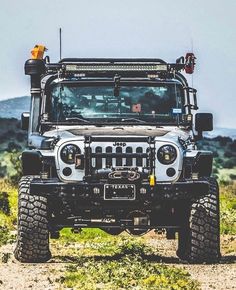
(228, 209)
(225, 175)
(128, 272)
(85, 235)
(92, 242)
(8, 221)
(102, 261)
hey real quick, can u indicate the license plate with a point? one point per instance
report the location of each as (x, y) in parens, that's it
(119, 192)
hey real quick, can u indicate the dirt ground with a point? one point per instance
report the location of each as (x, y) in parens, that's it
(218, 276)
(17, 276)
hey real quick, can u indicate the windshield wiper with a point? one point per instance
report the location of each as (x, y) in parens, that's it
(77, 119)
(133, 119)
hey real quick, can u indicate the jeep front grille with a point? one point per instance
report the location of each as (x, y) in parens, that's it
(106, 157)
(113, 151)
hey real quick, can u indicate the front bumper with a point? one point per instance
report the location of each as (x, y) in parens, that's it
(95, 191)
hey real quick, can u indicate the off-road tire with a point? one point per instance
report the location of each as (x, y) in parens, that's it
(199, 239)
(33, 235)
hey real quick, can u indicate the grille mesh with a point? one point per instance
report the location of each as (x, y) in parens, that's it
(106, 162)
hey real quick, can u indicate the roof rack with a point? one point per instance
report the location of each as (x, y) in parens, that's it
(112, 60)
(111, 67)
(124, 67)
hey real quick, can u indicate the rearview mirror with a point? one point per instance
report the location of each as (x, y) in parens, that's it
(25, 121)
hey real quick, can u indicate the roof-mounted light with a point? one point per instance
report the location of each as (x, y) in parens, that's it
(115, 67)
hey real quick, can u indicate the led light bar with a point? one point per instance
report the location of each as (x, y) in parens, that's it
(115, 67)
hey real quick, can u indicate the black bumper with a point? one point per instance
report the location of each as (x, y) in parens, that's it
(89, 191)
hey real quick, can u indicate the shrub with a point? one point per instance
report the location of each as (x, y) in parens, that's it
(16, 175)
(233, 146)
(3, 170)
(12, 146)
(4, 235)
(4, 203)
(222, 140)
(228, 154)
(215, 153)
(219, 160)
(230, 163)
(232, 176)
(21, 137)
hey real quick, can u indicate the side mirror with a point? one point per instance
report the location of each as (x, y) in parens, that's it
(203, 122)
(25, 121)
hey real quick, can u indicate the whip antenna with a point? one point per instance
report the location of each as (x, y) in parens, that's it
(60, 42)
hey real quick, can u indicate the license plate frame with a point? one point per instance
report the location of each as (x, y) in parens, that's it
(119, 192)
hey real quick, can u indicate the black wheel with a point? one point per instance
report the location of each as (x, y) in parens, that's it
(33, 235)
(199, 239)
(113, 232)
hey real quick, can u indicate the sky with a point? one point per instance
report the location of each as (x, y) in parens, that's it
(127, 28)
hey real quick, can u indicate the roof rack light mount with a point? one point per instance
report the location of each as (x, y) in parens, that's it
(123, 67)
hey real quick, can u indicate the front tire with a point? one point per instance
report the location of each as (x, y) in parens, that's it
(199, 239)
(33, 235)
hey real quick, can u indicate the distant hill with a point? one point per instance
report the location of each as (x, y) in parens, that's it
(13, 108)
(11, 135)
(224, 132)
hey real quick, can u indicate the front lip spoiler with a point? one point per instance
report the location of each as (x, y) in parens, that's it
(185, 190)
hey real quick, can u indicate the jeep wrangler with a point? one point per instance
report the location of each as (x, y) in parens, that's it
(112, 145)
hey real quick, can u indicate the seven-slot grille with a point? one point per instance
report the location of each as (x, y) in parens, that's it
(133, 155)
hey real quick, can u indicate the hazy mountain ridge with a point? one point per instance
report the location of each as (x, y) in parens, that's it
(224, 132)
(13, 108)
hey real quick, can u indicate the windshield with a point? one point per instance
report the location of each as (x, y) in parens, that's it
(96, 103)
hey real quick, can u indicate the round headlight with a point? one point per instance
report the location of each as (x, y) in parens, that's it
(166, 154)
(68, 153)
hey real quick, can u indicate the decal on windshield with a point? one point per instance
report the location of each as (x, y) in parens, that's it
(176, 110)
(136, 108)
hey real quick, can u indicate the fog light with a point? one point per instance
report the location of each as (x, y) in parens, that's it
(170, 172)
(67, 171)
(96, 190)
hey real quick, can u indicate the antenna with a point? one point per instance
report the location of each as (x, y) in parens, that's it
(60, 41)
